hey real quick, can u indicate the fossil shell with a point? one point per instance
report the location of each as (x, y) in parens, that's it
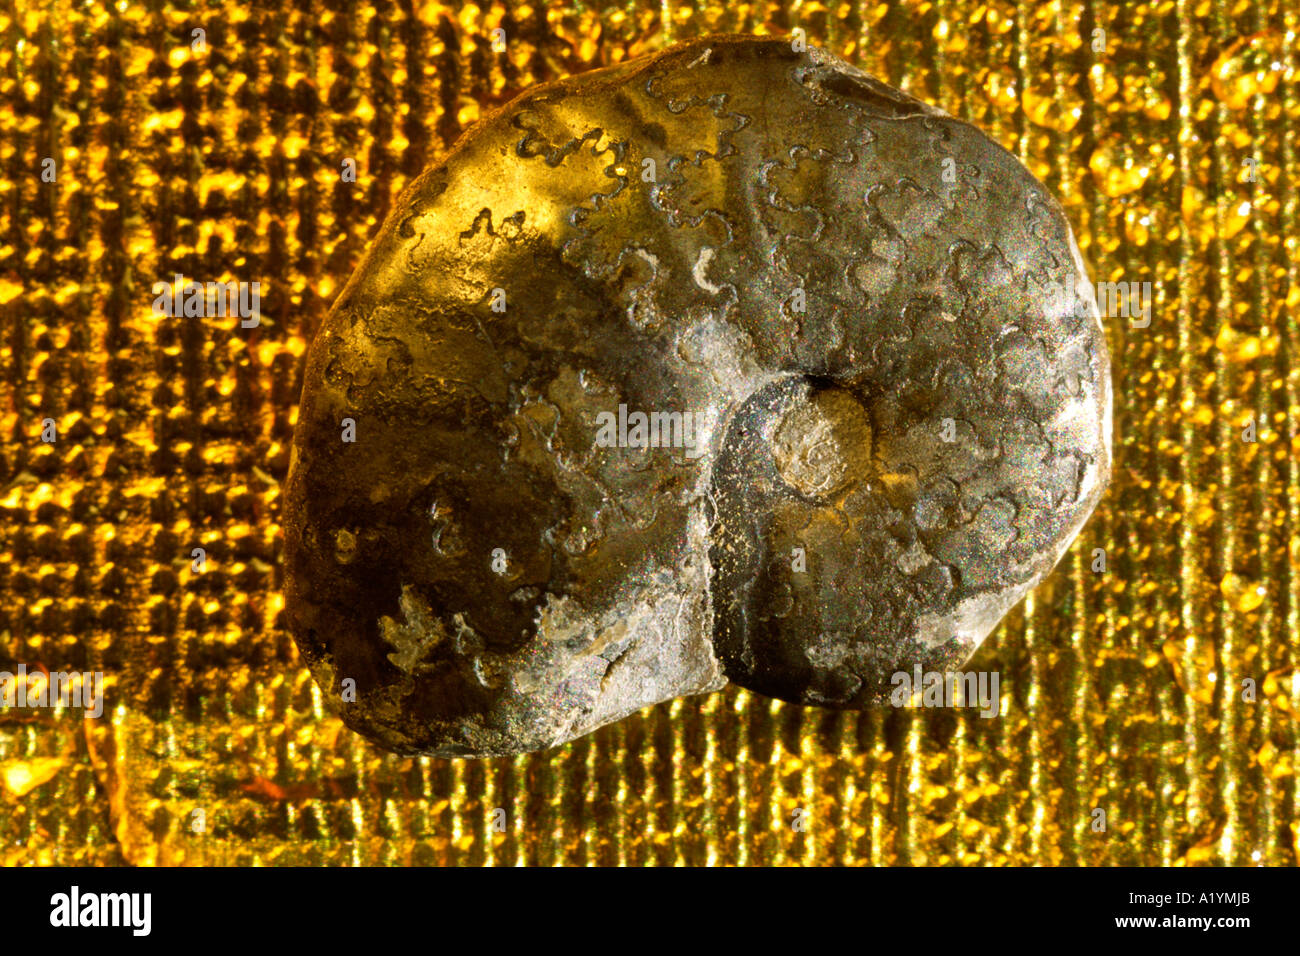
(857, 328)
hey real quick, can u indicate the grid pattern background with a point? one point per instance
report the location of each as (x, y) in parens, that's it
(1170, 137)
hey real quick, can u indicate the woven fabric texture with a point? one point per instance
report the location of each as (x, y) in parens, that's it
(1169, 130)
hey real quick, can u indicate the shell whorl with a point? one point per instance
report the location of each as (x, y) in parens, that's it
(857, 299)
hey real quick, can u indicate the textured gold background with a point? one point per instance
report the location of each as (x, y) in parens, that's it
(1121, 690)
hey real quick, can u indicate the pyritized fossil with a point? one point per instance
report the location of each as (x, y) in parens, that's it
(730, 363)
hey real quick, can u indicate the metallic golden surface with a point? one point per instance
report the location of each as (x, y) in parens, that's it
(1121, 690)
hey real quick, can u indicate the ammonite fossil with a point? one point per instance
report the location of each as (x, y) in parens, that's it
(729, 363)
